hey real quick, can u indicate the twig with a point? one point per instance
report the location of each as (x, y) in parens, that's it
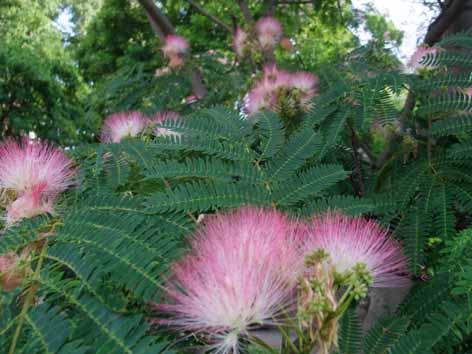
(245, 9)
(430, 140)
(28, 300)
(393, 141)
(211, 17)
(271, 7)
(155, 15)
(366, 149)
(357, 162)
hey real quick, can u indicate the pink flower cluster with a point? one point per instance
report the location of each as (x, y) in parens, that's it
(36, 172)
(240, 273)
(244, 267)
(268, 33)
(119, 126)
(355, 240)
(175, 49)
(240, 42)
(266, 94)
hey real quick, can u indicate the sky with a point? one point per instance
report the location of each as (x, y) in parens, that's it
(410, 16)
(64, 21)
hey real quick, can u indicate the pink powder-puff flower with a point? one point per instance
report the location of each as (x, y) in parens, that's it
(30, 204)
(239, 42)
(29, 166)
(276, 77)
(307, 83)
(36, 172)
(175, 46)
(269, 32)
(121, 125)
(264, 93)
(241, 273)
(161, 117)
(349, 241)
(419, 54)
(255, 101)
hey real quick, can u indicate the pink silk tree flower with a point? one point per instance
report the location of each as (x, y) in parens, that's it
(307, 83)
(161, 117)
(121, 125)
(239, 42)
(269, 32)
(263, 95)
(175, 46)
(36, 172)
(240, 273)
(266, 93)
(29, 166)
(419, 54)
(29, 205)
(349, 241)
(277, 77)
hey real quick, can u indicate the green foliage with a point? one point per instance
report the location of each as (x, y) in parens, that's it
(96, 268)
(350, 333)
(40, 87)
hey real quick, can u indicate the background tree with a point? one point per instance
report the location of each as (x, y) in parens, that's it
(40, 85)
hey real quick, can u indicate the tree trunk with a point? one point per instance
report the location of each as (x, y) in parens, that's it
(463, 22)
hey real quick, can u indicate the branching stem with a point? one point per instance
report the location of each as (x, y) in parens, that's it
(29, 299)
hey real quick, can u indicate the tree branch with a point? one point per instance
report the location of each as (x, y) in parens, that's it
(245, 9)
(270, 9)
(395, 138)
(211, 17)
(443, 21)
(357, 162)
(157, 18)
(162, 27)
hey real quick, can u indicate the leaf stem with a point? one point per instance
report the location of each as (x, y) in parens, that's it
(28, 300)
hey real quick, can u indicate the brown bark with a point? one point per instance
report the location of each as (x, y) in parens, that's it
(444, 21)
(162, 27)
